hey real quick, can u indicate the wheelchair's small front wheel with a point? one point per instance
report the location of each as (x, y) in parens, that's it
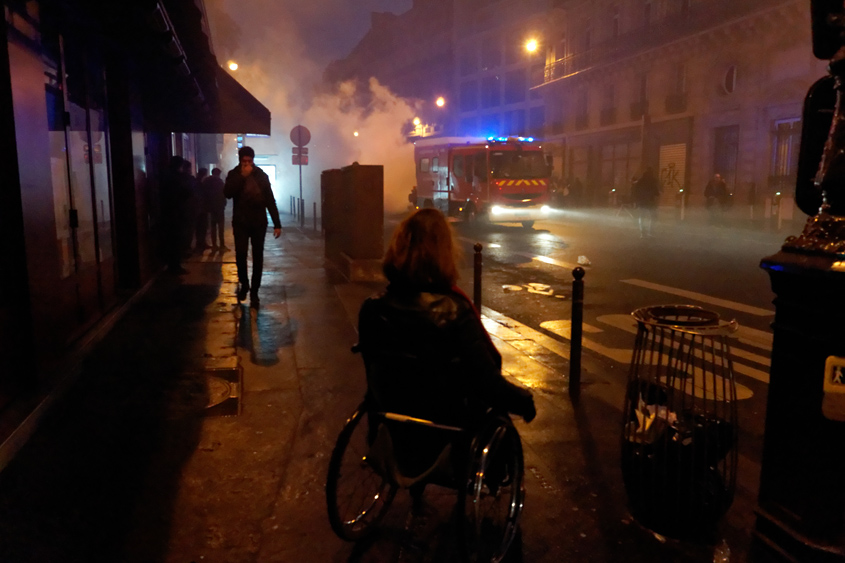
(490, 503)
(356, 494)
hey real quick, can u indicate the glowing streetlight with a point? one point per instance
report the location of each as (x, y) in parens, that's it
(416, 121)
(233, 65)
(355, 133)
(531, 45)
(441, 101)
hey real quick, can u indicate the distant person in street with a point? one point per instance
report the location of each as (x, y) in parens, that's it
(645, 194)
(215, 202)
(174, 196)
(716, 198)
(201, 222)
(249, 188)
(426, 353)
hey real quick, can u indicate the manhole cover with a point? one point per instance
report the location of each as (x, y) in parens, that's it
(204, 395)
(219, 390)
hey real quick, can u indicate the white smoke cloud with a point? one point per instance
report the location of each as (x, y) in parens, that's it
(274, 66)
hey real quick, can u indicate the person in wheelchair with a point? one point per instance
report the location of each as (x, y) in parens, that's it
(426, 353)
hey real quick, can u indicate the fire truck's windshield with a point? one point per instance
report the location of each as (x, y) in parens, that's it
(518, 164)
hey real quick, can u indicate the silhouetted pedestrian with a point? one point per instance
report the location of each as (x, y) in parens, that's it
(201, 213)
(249, 188)
(646, 193)
(215, 201)
(174, 195)
(716, 198)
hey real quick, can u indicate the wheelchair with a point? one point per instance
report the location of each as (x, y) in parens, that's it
(365, 474)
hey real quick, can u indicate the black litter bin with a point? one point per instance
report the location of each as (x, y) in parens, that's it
(679, 435)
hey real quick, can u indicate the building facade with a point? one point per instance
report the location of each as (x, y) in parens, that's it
(412, 53)
(689, 87)
(494, 67)
(95, 98)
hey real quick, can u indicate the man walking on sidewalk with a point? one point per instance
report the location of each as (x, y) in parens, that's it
(249, 188)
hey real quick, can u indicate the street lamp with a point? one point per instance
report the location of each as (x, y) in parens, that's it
(233, 65)
(441, 101)
(355, 133)
(532, 45)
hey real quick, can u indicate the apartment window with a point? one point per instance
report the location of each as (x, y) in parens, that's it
(515, 86)
(560, 48)
(536, 120)
(679, 78)
(581, 110)
(469, 95)
(608, 96)
(434, 164)
(491, 52)
(491, 124)
(425, 165)
(514, 47)
(642, 87)
(490, 91)
(469, 59)
(515, 122)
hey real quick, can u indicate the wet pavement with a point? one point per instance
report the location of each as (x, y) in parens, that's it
(199, 429)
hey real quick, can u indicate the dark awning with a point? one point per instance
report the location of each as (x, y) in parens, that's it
(237, 110)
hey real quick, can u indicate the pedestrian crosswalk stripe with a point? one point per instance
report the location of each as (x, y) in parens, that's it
(507, 329)
(626, 323)
(727, 304)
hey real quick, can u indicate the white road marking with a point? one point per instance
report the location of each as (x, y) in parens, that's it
(741, 307)
(507, 329)
(626, 323)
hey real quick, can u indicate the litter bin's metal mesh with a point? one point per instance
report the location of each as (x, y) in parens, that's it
(679, 452)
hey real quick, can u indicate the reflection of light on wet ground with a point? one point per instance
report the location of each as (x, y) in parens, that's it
(494, 245)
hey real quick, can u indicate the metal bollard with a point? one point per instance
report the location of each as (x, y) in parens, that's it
(301, 213)
(476, 278)
(576, 330)
(315, 216)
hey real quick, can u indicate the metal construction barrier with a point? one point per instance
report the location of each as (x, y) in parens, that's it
(679, 439)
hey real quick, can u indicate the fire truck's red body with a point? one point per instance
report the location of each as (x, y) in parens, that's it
(496, 179)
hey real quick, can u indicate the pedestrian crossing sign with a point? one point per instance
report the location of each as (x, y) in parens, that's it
(833, 400)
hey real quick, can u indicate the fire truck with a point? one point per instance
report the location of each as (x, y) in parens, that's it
(497, 179)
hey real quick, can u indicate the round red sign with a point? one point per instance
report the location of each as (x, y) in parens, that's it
(300, 135)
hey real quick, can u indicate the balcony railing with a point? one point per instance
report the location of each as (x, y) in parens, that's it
(701, 16)
(676, 103)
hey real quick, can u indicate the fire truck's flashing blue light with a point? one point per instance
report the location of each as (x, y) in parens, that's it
(494, 139)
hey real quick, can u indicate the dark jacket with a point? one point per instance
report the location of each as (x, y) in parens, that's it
(427, 355)
(646, 191)
(213, 196)
(247, 213)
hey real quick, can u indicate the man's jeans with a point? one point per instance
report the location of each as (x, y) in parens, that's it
(243, 235)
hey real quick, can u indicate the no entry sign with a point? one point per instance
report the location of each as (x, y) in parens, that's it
(300, 135)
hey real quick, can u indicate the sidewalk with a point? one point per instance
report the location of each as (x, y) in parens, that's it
(200, 430)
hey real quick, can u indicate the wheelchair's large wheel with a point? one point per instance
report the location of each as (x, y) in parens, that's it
(490, 503)
(357, 496)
